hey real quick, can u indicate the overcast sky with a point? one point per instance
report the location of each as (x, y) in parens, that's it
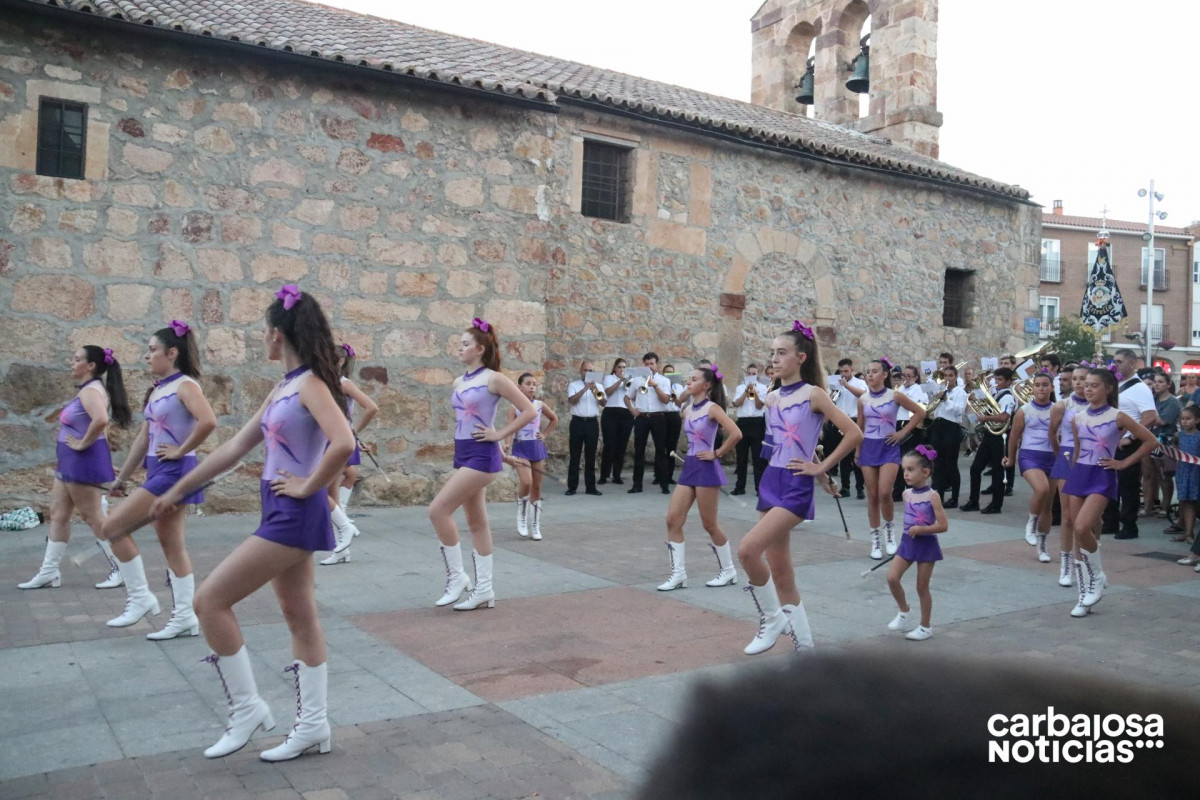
(1079, 100)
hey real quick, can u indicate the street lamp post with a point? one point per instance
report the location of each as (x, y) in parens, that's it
(1148, 237)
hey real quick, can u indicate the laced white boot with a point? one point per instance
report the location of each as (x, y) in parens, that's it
(49, 574)
(1043, 556)
(678, 579)
(1097, 580)
(344, 530)
(114, 569)
(344, 493)
(536, 531)
(523, 516)
(482, 595)
(1080, 610)
(139, 600)
(889, 538)
(771, 620)
(183, 618)
(1066, 569)
(800, 631)
(457, 581)
(1030, 533)
(311, 728)
(247, 711)
(876, 543)
(726, 572)
(341, 548)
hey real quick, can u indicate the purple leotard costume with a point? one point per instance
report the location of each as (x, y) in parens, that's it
(1098, 436)
(170, 423)
(356, 457)
(795, 429)
(879, 418)
(92, 465)
(294, 443)
(918, 510)
(1036, 451)
(525, 442)
(701, 432)
(474, 404)
(1066, 437)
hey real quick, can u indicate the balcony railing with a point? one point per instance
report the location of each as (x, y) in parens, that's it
(1048, 328)
(1051, 269)
(1161, 281)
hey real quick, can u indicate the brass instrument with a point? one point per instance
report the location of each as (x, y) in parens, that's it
(939, 378)
(596, 390)
(645, 387)
(1023, 391)
(628, 383)
(987, 406)
(752, 391)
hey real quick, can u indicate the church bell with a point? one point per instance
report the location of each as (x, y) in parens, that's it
(807, 85)
(860, 81)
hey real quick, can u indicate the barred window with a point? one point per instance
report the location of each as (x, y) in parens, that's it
(605, 181)
(957, 304)
(62, 138)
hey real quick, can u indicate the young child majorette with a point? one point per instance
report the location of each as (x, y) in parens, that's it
(1035, 458)
(527, 455)
(924, 519)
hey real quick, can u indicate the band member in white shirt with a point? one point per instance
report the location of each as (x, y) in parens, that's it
(845, 389)
(674, 419)
(1136, 400)
(990, 455)
(585, 429)
(647, 401)
(911, 389)
(616, 423)
(748, 400)
(945, 436)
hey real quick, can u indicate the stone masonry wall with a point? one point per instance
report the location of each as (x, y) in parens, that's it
(214, 177)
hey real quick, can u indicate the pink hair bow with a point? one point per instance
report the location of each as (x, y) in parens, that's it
(290, 295)
(888, 364)
(179, 327)
(805, 331)
(481, 324)
(1112, 367)
(108, 355)
(927, 451)
(349, 350)
(717, 372)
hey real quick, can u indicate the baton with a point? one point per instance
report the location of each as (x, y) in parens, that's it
(836, 495)
(529, 465)
(362, 449)
(867, 572)
(724, 491)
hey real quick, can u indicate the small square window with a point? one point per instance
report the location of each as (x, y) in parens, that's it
(605, 181)
(957, 303)
(62, 138)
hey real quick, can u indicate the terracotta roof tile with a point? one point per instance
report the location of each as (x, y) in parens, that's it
(334, 34)
(1095, 223)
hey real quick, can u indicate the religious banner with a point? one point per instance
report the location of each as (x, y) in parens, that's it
(1102, 302)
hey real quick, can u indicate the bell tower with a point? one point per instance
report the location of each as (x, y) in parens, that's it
(902, 56)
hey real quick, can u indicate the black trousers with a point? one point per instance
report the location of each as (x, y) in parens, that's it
(990, 456)
(650, 426)
(616, 424)
(907, 446)
(945, 437)
(584, 436)
(749, 448)
(831, 438)
(1122, 515)
(674, 429)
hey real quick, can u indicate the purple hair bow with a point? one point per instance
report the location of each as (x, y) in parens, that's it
(887, 364)
(349, 350)
(717, 372)
(927, 451)
(1112, 367)
(805, 331)
(481, 324)
(179, 327)
(290, 295)
(108, 355)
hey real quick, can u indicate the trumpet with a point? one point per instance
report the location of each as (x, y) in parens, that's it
(629, 383)
(752, 391)
(645, 387)
(596, 390)
(940, 378)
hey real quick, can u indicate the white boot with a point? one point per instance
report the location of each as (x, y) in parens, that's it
(890, 546)
(336, 557)
(678, 579)
(342, 537)
(457, 581)
(183, 618)
(114, 570)
(771, 620)
(800, 631)
(536, 531)
(312, 725)
(523, 516)
(876, 543)
(344, 493)
(247, 711)
(1080, 610)
(1030, 533)
(1096, 578)
(1043, 556)
(139, 600)
(482, 594)
(49, 574)
(726, 573)
(344, 530)
(1066, 571)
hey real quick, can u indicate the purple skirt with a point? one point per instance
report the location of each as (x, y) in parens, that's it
(877, 452)
(296, 523)
(701, 473)
(1088, 479)
(919, 548)
(162, 475)
(779, 488)
(1062, 464)
(529, 449)
(91, 466)
(481, 456)
(1035, 459)
(356, 457)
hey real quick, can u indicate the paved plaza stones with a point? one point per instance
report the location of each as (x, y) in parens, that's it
(566, 689)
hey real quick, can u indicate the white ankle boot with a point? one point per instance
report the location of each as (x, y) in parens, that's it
(800, 630)
(183, 618)
(771, 620)
(1043, 556)
(876, 543)
(457, 581)
(536, 531)
(1081, 582)
(336, 557)
(344, 493)
(726, 573)
(311, 728)
(247, 711)
(1030, 533)
(1066, 571)
(523, 516)
(139, 600)
(344, 530)
(1096, 579)
(482, 595)
(678, 579)
(342, 537)
(49, 574)
(114, 579)
(889, 534)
